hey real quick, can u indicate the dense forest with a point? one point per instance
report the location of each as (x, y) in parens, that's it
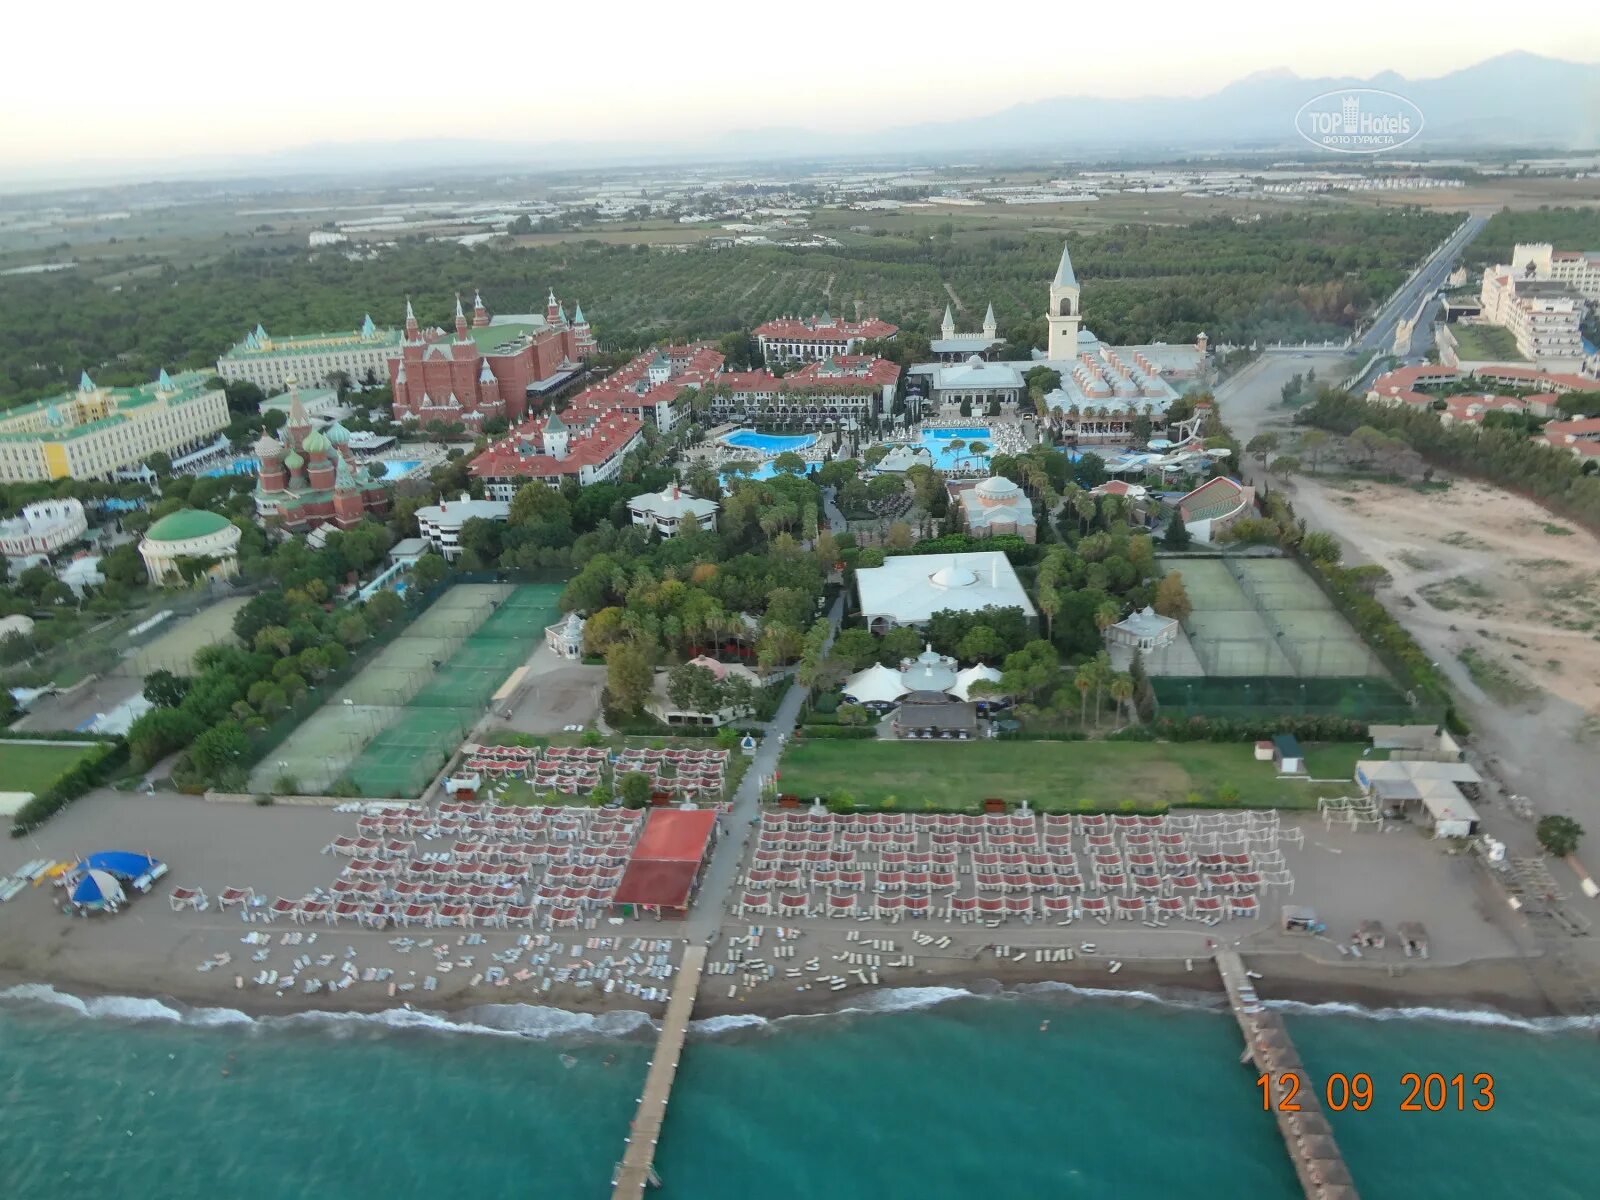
(1290, 276)
(1563, 228)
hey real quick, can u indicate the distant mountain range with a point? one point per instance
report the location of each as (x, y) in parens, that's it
(1513, 100)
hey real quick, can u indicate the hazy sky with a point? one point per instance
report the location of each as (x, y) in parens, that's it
(102, 80)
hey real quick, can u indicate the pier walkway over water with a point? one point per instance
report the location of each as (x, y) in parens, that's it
(1306, 1132)
(637, 1166)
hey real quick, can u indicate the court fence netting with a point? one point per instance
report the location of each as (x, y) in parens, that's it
(412, 695)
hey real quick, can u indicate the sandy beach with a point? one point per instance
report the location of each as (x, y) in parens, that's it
(149, 950)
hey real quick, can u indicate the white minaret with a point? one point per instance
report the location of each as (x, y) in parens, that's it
(990, 326)
(1064, 313)
(948, 328)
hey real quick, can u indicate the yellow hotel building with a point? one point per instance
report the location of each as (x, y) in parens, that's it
(95, 431)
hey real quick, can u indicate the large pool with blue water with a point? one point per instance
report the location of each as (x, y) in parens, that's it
(769, 443)
(251, 465)
(939, 442)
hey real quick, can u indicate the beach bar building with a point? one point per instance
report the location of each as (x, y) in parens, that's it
(666, 863)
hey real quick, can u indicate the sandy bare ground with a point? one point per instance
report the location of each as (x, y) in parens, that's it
(149, 950)
(1483, 569)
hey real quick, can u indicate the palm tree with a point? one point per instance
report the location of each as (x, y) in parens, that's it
(1049, 601)
(1083, 504)
(1083, 680)
(1121, 689)
(955, 448)
(1107, 615)
(1101, 676)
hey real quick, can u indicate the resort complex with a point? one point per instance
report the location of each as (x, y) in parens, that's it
(481, 679)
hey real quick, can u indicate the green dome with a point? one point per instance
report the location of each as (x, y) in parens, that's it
(316, 443)
(294, 460)
(336, 434)
(187, 523)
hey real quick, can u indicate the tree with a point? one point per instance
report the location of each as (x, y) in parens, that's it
(1559, 835)
(429, 571)
(1262, 446)
(856, 648)
(981, 644)
(351, 629)
(1177, 535)
(853, 714)
(218, 748)
(789, 463)
(158, 733)
(164, 689)
(1312, 444)
(1284, 465)
(1322, 547)
(628, 675)
(633, 789)
(1083, 680)
(694, 688)
(1172, 598)
(1121, 690)
(384, 608)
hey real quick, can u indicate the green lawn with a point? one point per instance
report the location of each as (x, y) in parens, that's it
(29, 768)
(1053, 775)
(1476, 343)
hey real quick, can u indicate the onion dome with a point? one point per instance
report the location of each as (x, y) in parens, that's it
(337, 434)
(268, 446)
(294, 462)
(316, 443)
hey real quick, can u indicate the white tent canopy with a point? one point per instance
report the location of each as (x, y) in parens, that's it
(965, 679)
(878, 684)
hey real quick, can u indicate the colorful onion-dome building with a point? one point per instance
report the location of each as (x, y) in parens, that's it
(310, 478)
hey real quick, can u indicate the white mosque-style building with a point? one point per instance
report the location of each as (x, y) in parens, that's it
(205, 542)
(1104, 389)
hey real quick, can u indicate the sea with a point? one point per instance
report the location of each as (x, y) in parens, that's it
(930, 1093)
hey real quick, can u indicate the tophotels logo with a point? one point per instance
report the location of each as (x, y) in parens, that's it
(1358, 121)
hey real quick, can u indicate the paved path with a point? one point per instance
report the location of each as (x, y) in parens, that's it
(635, 1169)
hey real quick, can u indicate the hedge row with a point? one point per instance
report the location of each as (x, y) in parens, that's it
(88, 772)
(1228, 729)
(837, 732)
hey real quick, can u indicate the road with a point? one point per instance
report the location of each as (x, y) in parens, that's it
(1425, 282)
(711, 902)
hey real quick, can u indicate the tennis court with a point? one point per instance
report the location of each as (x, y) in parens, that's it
(438, 714)
(175, 641)
(344, 730)
(1260, 617)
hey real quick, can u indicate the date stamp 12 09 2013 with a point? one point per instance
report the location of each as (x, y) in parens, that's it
(1431, 1091)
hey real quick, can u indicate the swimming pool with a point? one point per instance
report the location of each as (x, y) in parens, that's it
(937, 443)
(251, 465)
(762, 471)
(768, 443)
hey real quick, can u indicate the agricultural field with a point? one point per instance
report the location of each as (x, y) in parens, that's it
(1055, 776)
(1302, 274)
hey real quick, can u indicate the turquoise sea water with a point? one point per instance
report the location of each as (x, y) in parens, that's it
(961, 1099)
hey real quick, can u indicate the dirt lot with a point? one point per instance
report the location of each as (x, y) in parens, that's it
(1493, 576)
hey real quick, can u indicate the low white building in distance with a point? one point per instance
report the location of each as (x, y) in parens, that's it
(997, 506)
(908, 589)
(671, 510)
(43, 528)
(565, 637)
(81, 574)
(441, 523)
(190, 534)
(1144, 630)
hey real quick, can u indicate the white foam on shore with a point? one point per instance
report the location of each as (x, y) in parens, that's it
(1459, 1016)
(498, 1020)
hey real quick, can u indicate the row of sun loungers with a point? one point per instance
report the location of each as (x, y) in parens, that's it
(850, 904)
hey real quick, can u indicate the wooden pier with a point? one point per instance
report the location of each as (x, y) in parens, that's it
(1306, 1133)
(637, 1168)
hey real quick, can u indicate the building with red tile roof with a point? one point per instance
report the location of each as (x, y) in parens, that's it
(649, 385)
(789, 339)
(1471, 409)
(819, 394)
(1581, 436)
(489, 367)
(586, 443)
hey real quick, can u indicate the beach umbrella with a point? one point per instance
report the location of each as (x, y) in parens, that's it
(96, 890)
